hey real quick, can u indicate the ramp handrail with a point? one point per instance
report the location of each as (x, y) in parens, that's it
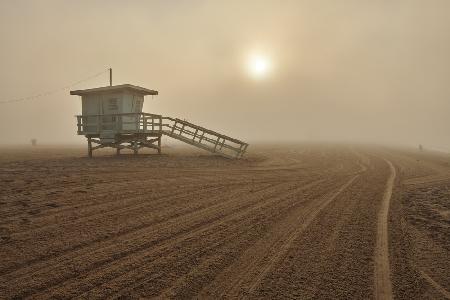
(204, 138)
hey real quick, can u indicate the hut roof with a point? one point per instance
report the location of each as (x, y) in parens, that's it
(134, 88)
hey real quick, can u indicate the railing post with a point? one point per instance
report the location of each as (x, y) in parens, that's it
(238, 152)
(221, 145)
(195, 134)
(182, 129)
(145, 123)
(217, 142)
(174, 126)
(243, 150)
(137, 122)
(79, 120)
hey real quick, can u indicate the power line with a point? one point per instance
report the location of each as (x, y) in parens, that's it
(47, 93)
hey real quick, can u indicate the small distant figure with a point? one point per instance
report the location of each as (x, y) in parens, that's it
(33, 142)
(420, 147)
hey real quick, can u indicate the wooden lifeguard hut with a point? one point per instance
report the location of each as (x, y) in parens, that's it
(112, 116)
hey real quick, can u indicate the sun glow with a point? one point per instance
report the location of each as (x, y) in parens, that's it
(258, 66)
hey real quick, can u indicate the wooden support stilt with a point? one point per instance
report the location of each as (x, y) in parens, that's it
(159, 145)
(117, 151)
(135, 147)
(89, 147)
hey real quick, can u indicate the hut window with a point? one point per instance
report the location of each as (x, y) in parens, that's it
(113, 104)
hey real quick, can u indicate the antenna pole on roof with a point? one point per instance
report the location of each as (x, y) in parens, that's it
(110, 76)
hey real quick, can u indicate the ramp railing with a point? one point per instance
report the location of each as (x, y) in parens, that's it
(204, 138)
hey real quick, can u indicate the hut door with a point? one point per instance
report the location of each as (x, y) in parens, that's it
(137, 104)
(110, 107)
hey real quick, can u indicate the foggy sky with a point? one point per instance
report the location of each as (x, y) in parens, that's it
(366, 71)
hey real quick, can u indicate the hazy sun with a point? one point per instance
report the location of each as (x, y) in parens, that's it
(258, 66)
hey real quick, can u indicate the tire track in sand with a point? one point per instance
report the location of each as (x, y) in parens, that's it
(90, 248)
(219, 242)
(255, 267)
(102, 274)
(434, 284)
(382, 284)
(285, 247)
(100, 259)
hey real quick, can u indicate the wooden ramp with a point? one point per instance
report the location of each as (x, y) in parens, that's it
(138, 130)
(203, 138)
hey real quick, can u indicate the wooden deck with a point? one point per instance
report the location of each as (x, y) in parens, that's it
(136, 128)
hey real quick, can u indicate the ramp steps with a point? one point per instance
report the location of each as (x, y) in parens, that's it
(203, 138)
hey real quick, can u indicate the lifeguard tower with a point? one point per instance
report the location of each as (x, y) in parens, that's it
(112, 117)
